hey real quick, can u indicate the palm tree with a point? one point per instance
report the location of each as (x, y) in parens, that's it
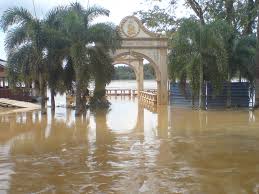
(106, 40)
(84, 37)
(257, 59)
(56, 46)
(25, 43)
(102, 71)
(194, 44)
(243, 61)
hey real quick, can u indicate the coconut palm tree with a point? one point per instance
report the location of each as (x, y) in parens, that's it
(25, 44)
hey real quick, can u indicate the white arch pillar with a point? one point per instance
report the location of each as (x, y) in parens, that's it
(140, 76)
(162, 87)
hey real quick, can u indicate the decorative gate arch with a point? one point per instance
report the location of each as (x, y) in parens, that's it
(137, 44)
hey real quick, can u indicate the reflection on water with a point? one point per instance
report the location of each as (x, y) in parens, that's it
(130, 149)
(114, 84)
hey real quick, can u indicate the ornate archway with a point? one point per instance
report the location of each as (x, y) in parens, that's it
(138, 43)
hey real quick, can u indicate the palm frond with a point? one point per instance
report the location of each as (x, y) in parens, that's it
(95, 11)
(15, 15)
(20, 63)
(54, 16)
(16, 37)
(106, 35)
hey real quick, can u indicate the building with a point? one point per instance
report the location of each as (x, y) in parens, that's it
(19, 93)
(3, 76)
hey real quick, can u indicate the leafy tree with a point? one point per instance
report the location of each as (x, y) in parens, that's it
(157, 19)
(123, 73)
(127, 73)
(149, 72)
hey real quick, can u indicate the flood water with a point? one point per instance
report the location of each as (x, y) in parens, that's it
(130, 149)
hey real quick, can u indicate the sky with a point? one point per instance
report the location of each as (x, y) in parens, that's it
(118, 10)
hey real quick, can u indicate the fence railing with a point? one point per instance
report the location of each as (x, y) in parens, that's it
(148, 97)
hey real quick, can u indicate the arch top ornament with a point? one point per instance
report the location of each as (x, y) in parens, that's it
(132, 27)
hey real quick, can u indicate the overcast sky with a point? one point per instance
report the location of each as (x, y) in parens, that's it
(118, 10)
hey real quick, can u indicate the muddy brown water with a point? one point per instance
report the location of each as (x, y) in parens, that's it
(130, 149)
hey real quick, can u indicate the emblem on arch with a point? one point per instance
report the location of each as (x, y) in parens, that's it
(132, 27)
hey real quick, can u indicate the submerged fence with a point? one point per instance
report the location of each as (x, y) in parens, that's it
(240, 95)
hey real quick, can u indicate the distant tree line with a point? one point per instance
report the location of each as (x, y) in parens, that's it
(127, 73)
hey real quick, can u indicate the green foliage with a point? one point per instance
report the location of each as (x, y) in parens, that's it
(192, 44)
(221, 40)
(124, 73)
(88, 46)
(157, 19)
(127, 73)
(244, 50)
(149, 72)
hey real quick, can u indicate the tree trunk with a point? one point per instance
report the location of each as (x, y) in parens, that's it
(229, 4)
(52, 93)
(99, 90)
(229, 90)
(99, 100)
(43, 95)
(201, 95)
(84, 96)
(193, 98)
(257, 64)
(196, 7)
(78, 93)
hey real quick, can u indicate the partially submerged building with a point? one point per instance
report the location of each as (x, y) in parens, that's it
(3, 74)
(18, 93)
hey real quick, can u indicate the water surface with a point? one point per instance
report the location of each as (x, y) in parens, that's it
(130, 149)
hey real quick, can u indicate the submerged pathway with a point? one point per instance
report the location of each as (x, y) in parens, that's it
(5, 102)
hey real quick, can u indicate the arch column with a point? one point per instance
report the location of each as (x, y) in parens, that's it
(140, 78)
(162, 88)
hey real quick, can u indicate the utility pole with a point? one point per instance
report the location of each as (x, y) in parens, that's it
(34, 8)
(88, 4)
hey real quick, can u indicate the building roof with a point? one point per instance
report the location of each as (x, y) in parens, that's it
(2, 63)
